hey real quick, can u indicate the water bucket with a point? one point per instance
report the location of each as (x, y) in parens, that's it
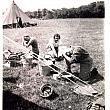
(45, 70)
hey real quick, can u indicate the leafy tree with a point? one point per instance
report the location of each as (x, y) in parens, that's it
(49, 15)
(93, 10)
(39, 13)
(44, 12)
(35, 14)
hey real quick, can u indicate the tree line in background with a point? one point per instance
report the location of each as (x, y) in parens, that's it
(93, 10)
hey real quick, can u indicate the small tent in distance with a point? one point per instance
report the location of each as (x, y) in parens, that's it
(14, 17)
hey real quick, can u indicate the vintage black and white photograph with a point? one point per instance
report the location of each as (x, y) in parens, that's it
(53, 55)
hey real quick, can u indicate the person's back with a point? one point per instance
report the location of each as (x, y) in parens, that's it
(34, 45)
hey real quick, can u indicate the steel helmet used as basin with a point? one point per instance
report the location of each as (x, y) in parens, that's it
(46, 90)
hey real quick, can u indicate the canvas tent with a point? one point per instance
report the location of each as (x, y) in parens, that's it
(10, 17)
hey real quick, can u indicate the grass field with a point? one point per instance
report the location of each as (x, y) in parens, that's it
(88, 33)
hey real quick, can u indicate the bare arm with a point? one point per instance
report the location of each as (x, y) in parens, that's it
(67, 57)
(29, 43)
(24, 43)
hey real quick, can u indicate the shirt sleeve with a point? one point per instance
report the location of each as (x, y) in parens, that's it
(24, 43)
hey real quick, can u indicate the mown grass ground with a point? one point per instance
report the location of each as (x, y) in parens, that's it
(24, 83)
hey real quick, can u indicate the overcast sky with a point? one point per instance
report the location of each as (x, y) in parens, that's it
(33, 5)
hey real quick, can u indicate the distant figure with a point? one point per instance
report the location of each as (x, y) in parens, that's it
(53, 46)
(19, 21)
(30, 41)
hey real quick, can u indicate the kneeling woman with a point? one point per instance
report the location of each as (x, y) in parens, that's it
(78, 62)
(53, 46)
